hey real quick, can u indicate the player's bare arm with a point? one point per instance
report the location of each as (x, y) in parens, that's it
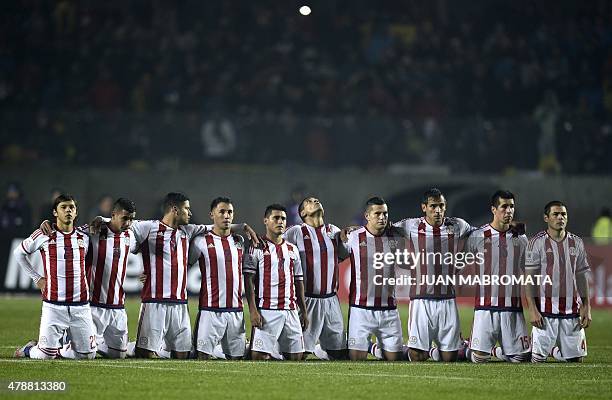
(582, 284)
(249, 288)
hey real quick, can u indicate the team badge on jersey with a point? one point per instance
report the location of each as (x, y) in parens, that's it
(81, 242)
(363, 244)
(515, 240)
(572, 251)
(116, 250)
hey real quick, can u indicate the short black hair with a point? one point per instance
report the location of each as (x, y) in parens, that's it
(173, 199)
(375, 201)
(124, 204)
(301, 206)
(434, 193)
(218, 200)
(501, 194)
(274, 207)
(554, 203)
(62, 198)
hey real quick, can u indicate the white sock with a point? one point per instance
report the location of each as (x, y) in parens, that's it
(376, 351)
(131, 349)
(218, 352)
(320, 353)
(556, 353)
(42, 354)
(66, 351)
(434, 354)
(163, 353)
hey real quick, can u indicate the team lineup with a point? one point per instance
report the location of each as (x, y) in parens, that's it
(290, 277)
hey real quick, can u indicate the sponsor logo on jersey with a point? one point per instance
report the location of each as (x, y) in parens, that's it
(572, 251)
(266, 253)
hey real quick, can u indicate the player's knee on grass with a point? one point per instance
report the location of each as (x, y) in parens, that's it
(392, 355)
(357, 355)
(479, 357)
(203, 356)
(143, 353)
(418, 355)
(575, 359)
(537, 358)
(449, 356)
(294, 356)
(179, 355)
(115, 354)
(338, 354)
(85, 356)
(259, 356)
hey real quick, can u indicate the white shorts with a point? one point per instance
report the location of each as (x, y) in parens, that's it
(111, 327)
(55, 320)
(565, 333)
(434, 320)
(506, 327)
(282, 326)
(384, 324)
(325, 324)
(164, 324)
(225, 327)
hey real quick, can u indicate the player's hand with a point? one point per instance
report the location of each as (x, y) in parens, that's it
(252, 235)
(304, 321)
(345, 232)
(46, 227)
(518, 228)
(256, 319)
(585, 315)
(96, 225)
(41, 284)
(142, 278)
(536, 318)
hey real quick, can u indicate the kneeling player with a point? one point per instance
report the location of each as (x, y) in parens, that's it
(219, 256)
(278, 271)
(559, 311)
(373, 307)
(63, 286)
(498, 313)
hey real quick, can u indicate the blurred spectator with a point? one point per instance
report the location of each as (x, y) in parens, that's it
(45, 211)
(15, 212)
(602, 230)
(547, 114)
(298, 193)
(103, 208)
(218, 138)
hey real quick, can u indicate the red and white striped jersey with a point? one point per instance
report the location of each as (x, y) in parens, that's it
(164, 253)
(561, 262)
(220, 262)
(318, 249)
(503, 255)
(434, 245)
(277, 266)
(368, 288)
(106, 264)
(63, 258)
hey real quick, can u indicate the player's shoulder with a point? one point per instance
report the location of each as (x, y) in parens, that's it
(480, 230)
(37, 234)
(577, 239)
(456, 221)
(536, 239)
(238, 240)
(294, 229)
(83, 229)
(354, 235)
(408, 222)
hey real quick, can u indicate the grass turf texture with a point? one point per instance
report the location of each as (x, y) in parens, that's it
(145, 379)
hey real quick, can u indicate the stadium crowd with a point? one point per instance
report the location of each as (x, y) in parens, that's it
(412, 82)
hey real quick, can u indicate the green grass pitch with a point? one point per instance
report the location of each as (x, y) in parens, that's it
(148, 379)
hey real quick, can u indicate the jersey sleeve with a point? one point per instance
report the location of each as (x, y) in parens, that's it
(298, 272)
(141, 230)
(133, 243)
(31, 244)
(291, 234)
(582, 260)
(532, 255)
(194, 230)
(195, 250)
(251, 261)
